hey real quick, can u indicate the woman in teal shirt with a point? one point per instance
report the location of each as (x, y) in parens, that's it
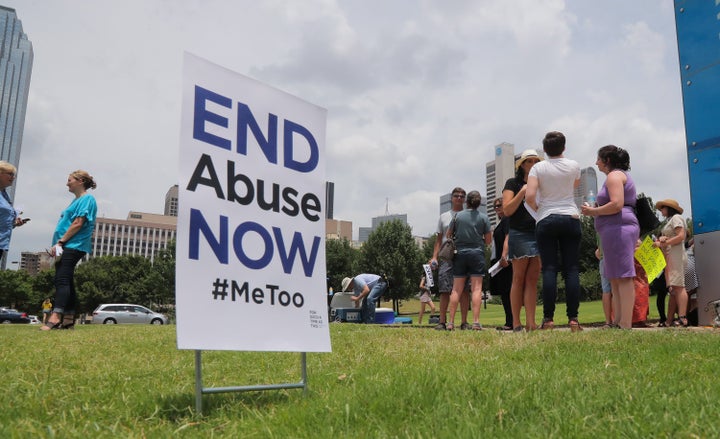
(71, 242)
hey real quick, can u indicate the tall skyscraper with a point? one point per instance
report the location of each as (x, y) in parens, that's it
(588, 182)
(171, 201)
(329, 199)
(16, 58)
(497, 172)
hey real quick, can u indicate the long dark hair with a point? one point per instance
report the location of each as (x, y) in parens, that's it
(615, 156)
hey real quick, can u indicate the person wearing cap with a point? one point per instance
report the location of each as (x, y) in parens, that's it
(522, 246)
(619, 230)
(672, 243)
(365, 286)
(550, 191)
(445, 267)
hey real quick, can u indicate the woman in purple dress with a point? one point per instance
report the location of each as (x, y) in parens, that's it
(618, 227)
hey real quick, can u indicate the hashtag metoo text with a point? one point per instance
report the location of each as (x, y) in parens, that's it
(270, 295)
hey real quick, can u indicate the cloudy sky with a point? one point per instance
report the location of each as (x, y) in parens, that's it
(418, 93)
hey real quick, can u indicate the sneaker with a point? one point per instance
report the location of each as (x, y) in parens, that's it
(440, 327)
(465, 326)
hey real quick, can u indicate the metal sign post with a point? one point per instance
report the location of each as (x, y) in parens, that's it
(698, 36)
(200, 390)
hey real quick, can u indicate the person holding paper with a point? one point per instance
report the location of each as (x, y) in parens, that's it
(522, 246)
(557, 231)
(672, 243)
(72, 241)
(618, 227)
(501, 281)
(9, 217)
(425, 298)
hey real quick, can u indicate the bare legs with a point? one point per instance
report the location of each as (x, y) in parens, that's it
(523, 292)
(678, 302)
(422, 310)
(476, 288)
(623, 299)
(607, 307)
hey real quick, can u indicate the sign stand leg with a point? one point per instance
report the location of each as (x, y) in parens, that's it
(199, 389)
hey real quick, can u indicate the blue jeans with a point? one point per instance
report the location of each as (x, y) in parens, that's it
(65, 295)
(368, 306)
(559, 235)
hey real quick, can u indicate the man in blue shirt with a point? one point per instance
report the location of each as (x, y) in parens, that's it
(369, 287)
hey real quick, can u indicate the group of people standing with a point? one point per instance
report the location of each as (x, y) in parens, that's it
(539, 231)
(70, 243)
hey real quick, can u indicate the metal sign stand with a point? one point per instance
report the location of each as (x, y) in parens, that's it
(199, 389)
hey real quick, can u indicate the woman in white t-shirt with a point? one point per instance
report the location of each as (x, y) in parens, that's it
(550, 191)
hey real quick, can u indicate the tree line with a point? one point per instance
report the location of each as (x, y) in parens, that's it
(390, 250)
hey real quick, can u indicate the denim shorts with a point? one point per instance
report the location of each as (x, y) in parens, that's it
(469, 262)
(605, 282)
(522, 245)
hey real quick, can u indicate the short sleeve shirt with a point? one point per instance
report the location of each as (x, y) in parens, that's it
(521, 220)
(86, 207)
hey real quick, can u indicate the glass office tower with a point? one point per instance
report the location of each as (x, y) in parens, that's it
(16, 58)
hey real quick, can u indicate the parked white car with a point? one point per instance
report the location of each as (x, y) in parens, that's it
(113, 313)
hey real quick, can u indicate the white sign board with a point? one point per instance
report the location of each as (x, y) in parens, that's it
(251, 221)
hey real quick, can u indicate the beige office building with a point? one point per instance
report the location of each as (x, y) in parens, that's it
(142, 234)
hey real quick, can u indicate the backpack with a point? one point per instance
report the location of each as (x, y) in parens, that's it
(646, 216)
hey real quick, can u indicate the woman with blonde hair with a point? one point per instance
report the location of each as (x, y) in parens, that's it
(71, 242)
(9, 217)
(672, 243)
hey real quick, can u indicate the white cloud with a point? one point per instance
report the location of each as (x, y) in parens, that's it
(418, 93)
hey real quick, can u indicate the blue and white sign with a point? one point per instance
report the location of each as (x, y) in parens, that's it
(251, 222)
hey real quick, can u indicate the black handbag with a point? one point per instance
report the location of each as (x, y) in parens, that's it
(646, 216)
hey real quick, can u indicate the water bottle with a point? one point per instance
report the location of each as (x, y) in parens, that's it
(591, 199)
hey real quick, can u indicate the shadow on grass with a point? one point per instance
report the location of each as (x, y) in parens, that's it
(182, 406)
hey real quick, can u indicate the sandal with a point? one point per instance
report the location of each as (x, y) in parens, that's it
(450, 326)
(662, 325)
(68, 322)
(49, 326)
(682, 321)
(440, 327)
(518, 329)
(575, 326)
(547, 324)
(504, 328)
(477, 327)
(464, 326)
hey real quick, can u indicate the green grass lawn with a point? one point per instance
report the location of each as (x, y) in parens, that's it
(381, 382)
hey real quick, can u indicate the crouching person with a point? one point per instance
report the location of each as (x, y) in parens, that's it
(369, 287)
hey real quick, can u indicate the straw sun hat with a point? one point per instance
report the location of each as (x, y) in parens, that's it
(669, 202)
(528, 153)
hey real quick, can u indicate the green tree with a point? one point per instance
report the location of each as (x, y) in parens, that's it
(391, 251)
(113, 279)
(160, 281)
(15, 289)
(340, 261)
(427, 249)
